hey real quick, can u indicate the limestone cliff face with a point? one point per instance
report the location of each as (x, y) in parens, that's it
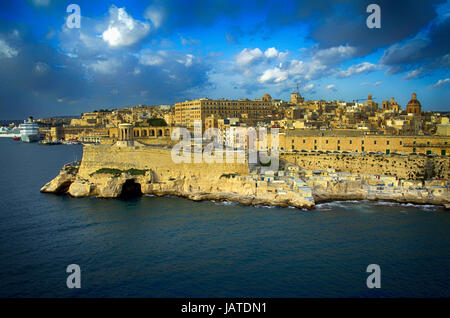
(63, 180)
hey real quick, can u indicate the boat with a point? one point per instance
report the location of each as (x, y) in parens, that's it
(72, 142)
(16, 138)
(29, 130)
(8, 132)
(49, 143)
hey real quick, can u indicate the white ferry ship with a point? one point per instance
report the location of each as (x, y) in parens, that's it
(29, 131)
(7, 132)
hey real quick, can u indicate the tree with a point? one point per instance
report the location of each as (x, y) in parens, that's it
(156, 122)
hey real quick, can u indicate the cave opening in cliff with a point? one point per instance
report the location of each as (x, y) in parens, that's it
(130, 189)
(63, 188)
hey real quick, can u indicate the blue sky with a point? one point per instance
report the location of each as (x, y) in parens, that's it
(162, 52)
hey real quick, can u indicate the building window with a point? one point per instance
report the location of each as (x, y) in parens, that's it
(374, 142)
(401, 142)
(315, 141)
(326, 141)
(362, 142)
(339, 142)
(304, 141)
(350, 142)
(315, 147)
(339, 147)
(387, 142)
(428, 143)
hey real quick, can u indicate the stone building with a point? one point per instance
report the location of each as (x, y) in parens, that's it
(249, 111)
(358, 141)
(391, 106)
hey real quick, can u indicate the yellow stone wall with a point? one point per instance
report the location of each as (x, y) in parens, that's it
(371, 143)
(405, 167)
(144, 158)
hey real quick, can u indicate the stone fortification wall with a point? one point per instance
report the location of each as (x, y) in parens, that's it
(155, 159)
(404, 167)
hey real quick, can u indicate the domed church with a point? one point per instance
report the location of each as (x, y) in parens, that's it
(414, 106)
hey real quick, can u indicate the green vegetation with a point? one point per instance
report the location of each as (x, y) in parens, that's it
(118, 172)
(156, 122)
(136, 172)
(115, 172)
(228, 175)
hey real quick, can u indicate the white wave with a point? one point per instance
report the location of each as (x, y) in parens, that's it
(224, 202)
(334, 204)
(265, 206)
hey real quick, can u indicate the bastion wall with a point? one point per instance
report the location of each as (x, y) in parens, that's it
(404, 167)
(148, 158)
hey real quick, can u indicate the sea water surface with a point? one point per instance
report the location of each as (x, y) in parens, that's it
(173, 247)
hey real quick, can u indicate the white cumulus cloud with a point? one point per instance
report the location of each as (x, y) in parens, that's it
(334, 55)
(187, 60)
(275, 75)
(108, 66)
(248, 56)
(364, 67)
(6, 50)
(271, 52)
(156, 14)
(146, 57)
(123, 30)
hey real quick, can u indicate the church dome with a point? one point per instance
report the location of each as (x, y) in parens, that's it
(414, 106)
(414, 102)
(267, 97)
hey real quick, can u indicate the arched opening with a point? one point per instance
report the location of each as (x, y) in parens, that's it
(130, 189)
(160, 133)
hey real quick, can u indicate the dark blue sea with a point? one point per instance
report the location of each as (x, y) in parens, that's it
(173, 247)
